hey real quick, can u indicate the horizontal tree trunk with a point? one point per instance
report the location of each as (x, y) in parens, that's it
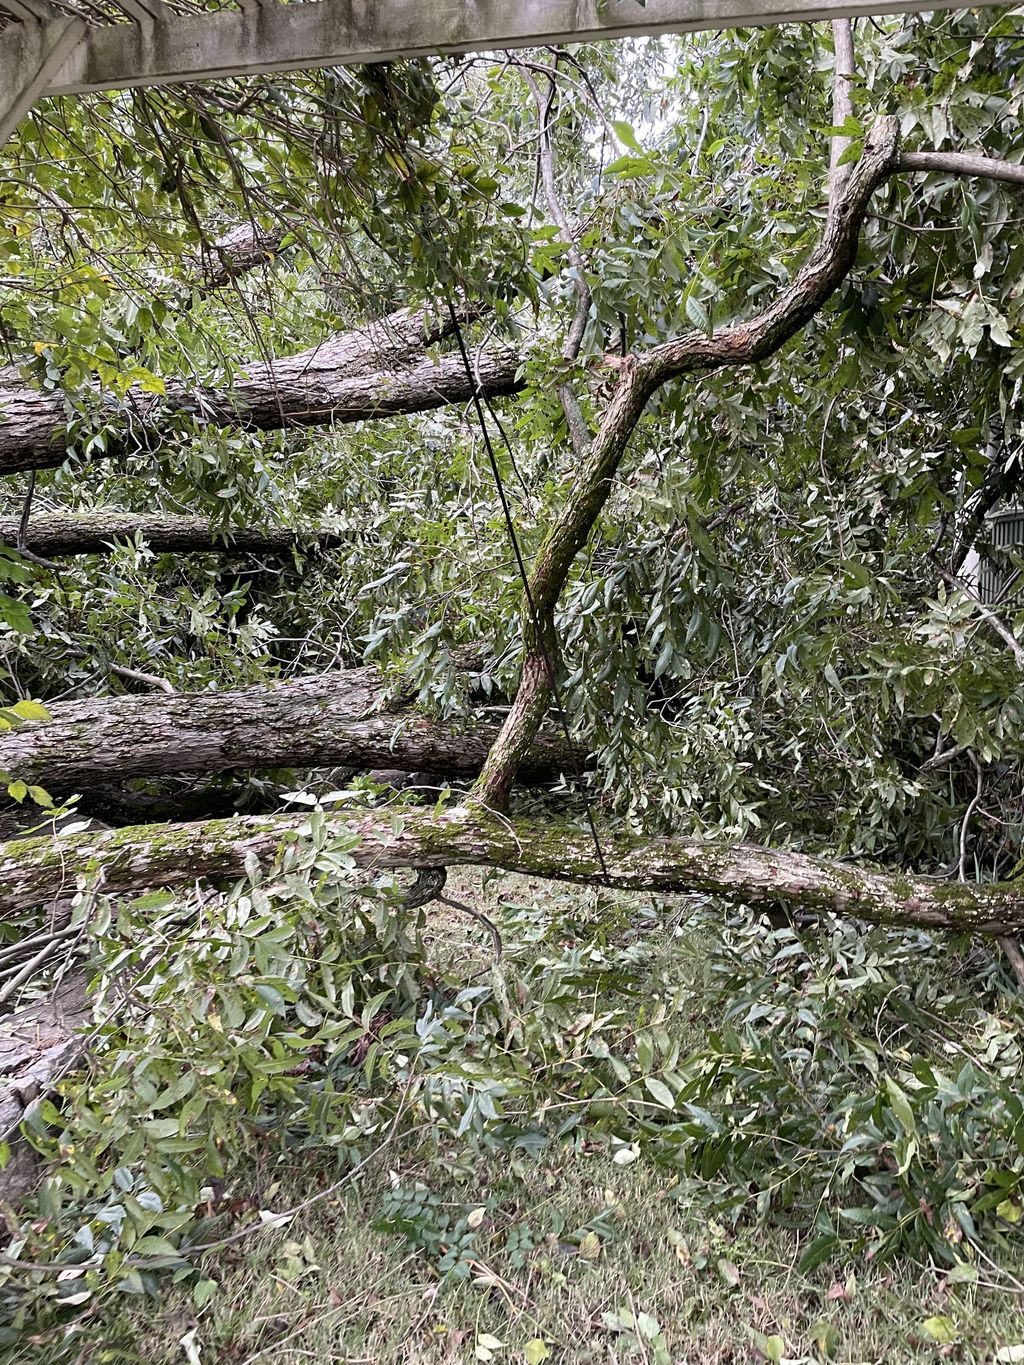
(36, 872)
(376, 371)
(94, 533)
(329, 720)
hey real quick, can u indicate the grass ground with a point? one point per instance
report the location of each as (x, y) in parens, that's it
(609, 1241)
(456, 1257)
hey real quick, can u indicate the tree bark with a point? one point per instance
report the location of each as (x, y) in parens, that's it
(329, 720)
(375, 371)
(35, 873)
(242, 249)
(37, 1044)
(94, 533)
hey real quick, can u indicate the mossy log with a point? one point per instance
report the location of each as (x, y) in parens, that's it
(37, 872)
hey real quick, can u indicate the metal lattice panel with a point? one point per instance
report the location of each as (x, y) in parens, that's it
(999, 579)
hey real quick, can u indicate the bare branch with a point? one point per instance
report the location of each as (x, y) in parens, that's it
(963, 163)
(578, 432)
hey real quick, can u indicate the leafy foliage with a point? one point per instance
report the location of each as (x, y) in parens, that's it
(778, 1081)
(770, 635)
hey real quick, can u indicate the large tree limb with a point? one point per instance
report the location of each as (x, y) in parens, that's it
(95, 533)
(640, 377)
(338, 719)
(375, 371)
(35, 873)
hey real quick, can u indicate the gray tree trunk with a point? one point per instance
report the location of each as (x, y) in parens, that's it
(374, 371)
(330, 720)
(52, 533)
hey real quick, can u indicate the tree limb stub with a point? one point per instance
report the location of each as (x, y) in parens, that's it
(95, 533)
(342, 719)
(375, 371)
(36, 872)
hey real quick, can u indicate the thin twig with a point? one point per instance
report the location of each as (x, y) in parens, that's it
(975, 802)
(150, 678)
(481, 918)
(35, 962)
(26, 510)
(695, 163)
(1010, 947)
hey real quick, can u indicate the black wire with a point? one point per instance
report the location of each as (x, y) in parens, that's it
(525, 578)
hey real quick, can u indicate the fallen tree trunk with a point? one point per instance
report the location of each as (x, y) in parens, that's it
(375, 371)
(95, 533)
(38, 1044)
(329, 720)
(236, 253)
(36, 873)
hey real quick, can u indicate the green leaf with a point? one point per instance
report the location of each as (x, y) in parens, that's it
(1009, 1210)
(624, 132)
(155, 1246)
(819, 1251)
(203, 1292)
(271, 997)
(536, 1351)
(728, 1272)
(940, 1328)
(16, 615)
(901, 1107)
(697, 314)
(660, 1091)
(161, 1128)
(30, 710)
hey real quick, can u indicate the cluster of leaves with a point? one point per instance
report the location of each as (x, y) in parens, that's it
(776, 1078)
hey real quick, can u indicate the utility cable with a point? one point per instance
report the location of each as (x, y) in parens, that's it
(506, 509)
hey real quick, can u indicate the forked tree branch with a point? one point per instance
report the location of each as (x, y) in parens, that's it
(642, 375)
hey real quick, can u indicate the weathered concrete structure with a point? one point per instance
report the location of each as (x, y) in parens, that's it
(45, 51)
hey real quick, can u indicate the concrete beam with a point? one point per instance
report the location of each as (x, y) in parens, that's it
(276, 37)
(31, 52)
